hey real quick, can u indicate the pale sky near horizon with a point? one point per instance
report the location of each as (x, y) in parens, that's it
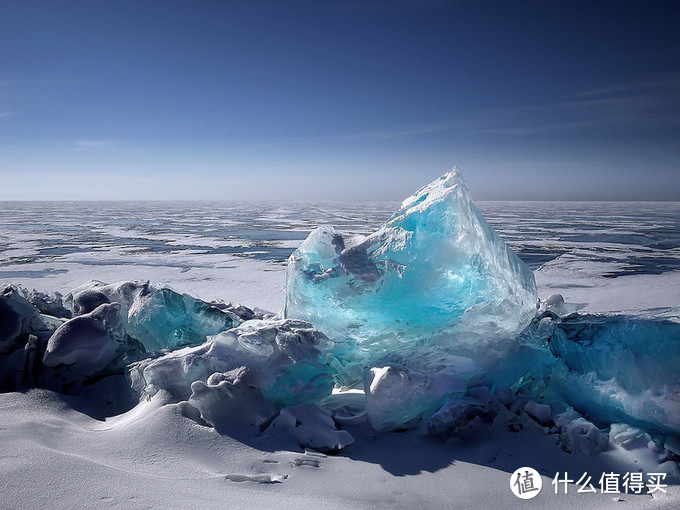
(338, 100)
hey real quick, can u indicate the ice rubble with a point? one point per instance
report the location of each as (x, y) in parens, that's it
(280, 357)
(159, 318)
(430, 322)
(613, 368)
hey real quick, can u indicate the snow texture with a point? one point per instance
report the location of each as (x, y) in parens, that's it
(231, 403)
(312, 427)
(90, 341)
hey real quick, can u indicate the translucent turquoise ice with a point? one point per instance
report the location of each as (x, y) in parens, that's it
(616, 369)
(435, 267)
(162, 318)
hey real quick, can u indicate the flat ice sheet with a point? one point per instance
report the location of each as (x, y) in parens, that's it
(236, 251)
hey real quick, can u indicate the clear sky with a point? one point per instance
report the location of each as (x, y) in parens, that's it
(339, 99)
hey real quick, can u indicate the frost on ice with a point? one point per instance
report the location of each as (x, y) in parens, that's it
(279, 357)
(436, 266)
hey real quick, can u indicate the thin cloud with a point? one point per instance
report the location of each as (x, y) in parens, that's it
(662, 93)
(6, 115)
(639, 119)
(660, 84)
(396, 133)
(651, 103)
(529, 130)
(95, 144)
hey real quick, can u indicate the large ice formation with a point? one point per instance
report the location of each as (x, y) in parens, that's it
(436, 266)
(411, 308)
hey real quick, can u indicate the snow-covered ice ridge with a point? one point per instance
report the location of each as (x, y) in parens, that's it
(429, 324)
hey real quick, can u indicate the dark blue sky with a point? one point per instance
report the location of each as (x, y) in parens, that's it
(339, 99)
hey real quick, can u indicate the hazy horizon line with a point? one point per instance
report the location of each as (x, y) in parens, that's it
(293, 200)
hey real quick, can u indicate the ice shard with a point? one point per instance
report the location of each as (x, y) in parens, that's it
(435, 267)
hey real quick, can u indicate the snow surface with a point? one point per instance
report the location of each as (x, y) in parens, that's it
(154, 457)
(581, 282)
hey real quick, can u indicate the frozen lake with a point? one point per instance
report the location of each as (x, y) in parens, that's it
(236, 251)
(610, 257)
